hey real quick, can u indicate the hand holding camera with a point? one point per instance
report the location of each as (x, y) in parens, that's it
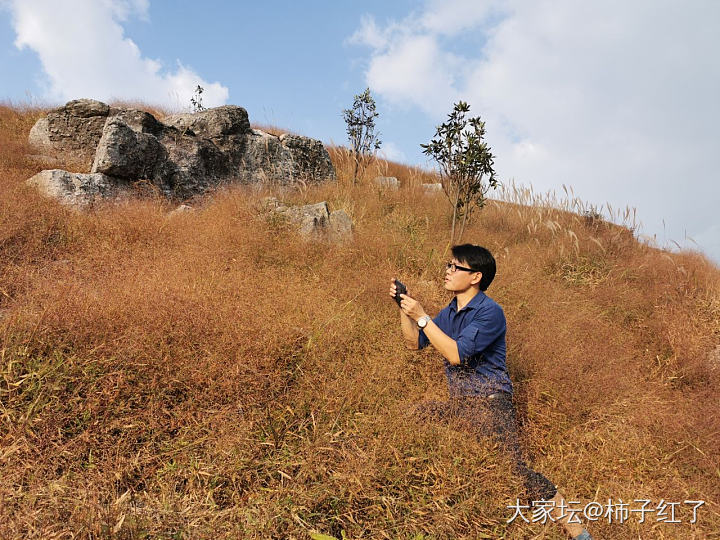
(408, 305)
(396, 289)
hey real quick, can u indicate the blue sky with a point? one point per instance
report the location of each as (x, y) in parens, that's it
(288, 63)
(617, 100)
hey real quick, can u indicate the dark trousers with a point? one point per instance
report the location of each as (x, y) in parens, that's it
(492, 417)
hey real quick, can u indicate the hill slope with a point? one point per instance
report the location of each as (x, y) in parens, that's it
(212, 374)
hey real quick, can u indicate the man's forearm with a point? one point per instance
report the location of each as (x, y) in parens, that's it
(444, 344)
(410, 331)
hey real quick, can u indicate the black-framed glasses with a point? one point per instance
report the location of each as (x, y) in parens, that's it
(452, 267)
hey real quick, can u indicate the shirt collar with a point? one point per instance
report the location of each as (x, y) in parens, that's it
(474, 303)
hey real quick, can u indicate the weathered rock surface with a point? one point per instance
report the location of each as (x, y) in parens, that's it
(139, 121)
(184, 156)
(291, 157)
(313, 220)
(432, 188)
(218, 124)
(74, 189)
(389, 182)
(182, 209)
(341, 225)
(309, 157)
(181, 165)
(193, 166)
(126, 153)
(76, 128)
(265, 158)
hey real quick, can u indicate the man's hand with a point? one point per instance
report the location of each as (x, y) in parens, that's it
(411, 307)
(393, 289)
(407, 325)
(410, 312)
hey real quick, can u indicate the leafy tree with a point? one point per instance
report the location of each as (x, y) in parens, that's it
(360, 120)
(466, 164)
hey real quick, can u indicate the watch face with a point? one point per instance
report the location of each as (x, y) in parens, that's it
(422, 323)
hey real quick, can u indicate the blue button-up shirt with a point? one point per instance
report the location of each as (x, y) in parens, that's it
(479, 330)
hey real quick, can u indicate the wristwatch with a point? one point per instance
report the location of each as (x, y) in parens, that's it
(422, 321)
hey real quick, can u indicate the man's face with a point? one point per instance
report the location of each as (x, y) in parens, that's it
(460, 280)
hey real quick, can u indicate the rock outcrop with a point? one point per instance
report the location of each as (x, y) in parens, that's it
(432, 188)
(309, 157)
(313, 220)
(75, 189)
(74, 128)
(126, 153)
(389, 182)
(265, 158)
(341, 226)
(184, 156)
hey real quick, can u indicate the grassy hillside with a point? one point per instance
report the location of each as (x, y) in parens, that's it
(212, 375)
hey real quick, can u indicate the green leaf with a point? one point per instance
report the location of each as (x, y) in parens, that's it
(319, 536)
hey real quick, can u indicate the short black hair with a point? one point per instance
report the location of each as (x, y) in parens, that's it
(479, 259)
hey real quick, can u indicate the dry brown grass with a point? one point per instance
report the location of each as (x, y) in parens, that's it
(213, 375)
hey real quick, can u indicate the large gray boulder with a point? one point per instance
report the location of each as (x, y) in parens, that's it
(313, 221)
(432, 189)
(310, 158)
(340, 226)
(75, 129)
(217, 124)
(389, 182)
(75, 189)
(285, 159)
(140, 121)
(194, 165)
(126, 153)
(265, 159)
(184, 156)
(178, 163)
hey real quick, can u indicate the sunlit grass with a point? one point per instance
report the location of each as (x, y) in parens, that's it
(213, 375)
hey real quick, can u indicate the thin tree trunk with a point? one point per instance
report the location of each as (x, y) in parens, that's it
(357, 166)
(454, 218)
(464, 221)
(462, 195)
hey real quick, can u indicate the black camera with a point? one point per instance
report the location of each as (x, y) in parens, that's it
(400, 288)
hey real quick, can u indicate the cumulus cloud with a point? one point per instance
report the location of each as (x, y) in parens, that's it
(452, 16)
(391, 152)
(84, 53)
(408, 67)
(617, 99)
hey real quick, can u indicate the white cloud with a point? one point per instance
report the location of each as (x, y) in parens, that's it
(617, 99)
(369, 34)
(415, 71)
(123, 9)
(392, 152)
(84, 53)
(408, 66)
(452, 16)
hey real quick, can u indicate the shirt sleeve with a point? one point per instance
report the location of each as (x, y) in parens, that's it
(487, 327)
(423, 341)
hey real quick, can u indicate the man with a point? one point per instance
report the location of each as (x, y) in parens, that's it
(470, 334)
